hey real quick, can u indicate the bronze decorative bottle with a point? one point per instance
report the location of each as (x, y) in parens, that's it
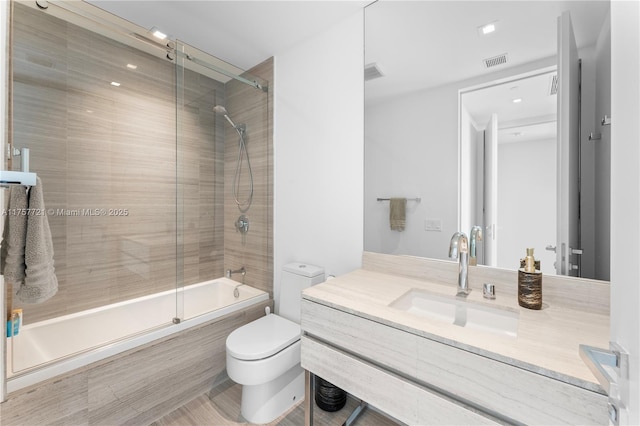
(529, 283)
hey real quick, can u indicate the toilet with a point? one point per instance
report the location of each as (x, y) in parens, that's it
(264, 355)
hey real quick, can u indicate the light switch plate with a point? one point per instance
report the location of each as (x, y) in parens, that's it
(433, 225)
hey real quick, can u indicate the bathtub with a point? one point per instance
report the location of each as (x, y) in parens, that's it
(48, 348)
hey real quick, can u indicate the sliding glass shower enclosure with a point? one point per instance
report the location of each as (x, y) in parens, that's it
(134, 163)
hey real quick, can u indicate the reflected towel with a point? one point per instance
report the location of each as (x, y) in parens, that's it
(14, 237)
(397, 213)
(40, 281)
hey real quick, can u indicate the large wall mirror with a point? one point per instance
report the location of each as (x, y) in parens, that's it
(493, 114)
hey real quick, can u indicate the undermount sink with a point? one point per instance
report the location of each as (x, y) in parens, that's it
(458, 312)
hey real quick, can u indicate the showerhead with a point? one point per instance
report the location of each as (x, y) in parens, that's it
(219, 109)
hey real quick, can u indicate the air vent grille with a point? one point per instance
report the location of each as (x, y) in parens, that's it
(495, 61)
(372, 71)
(553, 85)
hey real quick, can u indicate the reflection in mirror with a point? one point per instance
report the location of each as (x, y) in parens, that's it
(524, 108)
(429, 60)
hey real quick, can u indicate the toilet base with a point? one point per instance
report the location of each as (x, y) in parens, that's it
(264, 403)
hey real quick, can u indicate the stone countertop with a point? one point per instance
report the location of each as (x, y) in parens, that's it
(547, 340)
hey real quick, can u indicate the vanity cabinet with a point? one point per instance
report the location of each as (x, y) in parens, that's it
(421, 380)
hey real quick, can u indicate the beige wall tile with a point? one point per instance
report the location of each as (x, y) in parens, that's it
(96, 146)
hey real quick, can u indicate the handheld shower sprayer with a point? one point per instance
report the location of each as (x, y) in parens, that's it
(219, 109)
(243, 155)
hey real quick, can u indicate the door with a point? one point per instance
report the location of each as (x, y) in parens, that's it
(621, 362)
(491, 192)
(568, 206)
(625, 202)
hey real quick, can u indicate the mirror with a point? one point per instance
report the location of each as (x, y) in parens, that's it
(424, 59)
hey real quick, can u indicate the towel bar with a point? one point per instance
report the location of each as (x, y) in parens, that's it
(8, 178)
(408, 199)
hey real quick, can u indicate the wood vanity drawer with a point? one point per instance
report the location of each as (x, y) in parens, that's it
(402, 399)
(500, 389)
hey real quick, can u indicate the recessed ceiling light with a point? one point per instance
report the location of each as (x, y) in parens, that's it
(158, 34)
(517, 100)
(517, 134)
(487, 28)
(132, 66)
(115, 83)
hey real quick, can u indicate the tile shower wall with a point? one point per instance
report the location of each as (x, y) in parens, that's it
(97, 146)
(254, 250)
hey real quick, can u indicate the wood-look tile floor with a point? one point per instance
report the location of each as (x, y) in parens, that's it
(222, 408)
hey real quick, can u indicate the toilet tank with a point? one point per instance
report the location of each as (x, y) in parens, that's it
(295, 278)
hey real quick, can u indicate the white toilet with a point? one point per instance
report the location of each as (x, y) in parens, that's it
(264, 355)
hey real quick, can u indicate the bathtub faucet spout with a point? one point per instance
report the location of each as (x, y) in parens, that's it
(237, 271)
(236, 292)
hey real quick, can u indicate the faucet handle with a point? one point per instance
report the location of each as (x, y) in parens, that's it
(488, 291)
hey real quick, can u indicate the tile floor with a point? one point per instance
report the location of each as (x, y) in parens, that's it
(222, 408)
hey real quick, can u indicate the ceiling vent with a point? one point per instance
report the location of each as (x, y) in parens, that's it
(553, 85)
(372, 71)
(495, 61)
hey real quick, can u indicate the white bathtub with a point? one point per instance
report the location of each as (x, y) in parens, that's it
(48, 348)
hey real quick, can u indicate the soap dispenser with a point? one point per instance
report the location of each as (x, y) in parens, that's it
(530, 283)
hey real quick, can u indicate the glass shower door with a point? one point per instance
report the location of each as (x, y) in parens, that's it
(99, 118)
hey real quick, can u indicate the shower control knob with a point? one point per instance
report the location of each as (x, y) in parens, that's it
(242, 224)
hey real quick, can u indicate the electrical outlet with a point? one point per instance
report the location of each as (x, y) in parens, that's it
(433, 225)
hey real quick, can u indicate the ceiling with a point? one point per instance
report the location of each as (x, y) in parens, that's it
(417, 44)
(533, 118)
(441, 44)
(243, 33)
(425, 44)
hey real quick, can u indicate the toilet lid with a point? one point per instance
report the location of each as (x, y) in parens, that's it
(262, 338)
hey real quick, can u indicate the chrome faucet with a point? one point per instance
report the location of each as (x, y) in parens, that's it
(459, 250)
(476, 235)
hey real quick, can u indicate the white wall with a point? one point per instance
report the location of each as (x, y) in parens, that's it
(411, 149)
(625, 192)
(318, 151)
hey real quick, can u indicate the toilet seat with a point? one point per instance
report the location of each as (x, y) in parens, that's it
(262, 338)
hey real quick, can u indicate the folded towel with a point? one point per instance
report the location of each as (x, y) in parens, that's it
(40, 281)
(397, 213)
(14, 237)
